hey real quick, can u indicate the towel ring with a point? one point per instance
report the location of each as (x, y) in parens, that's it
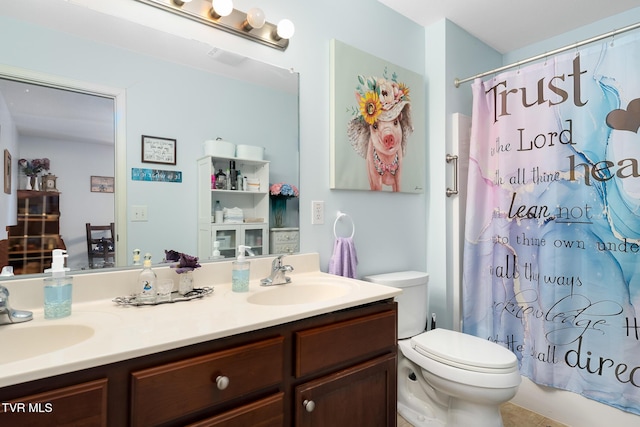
(341, 215)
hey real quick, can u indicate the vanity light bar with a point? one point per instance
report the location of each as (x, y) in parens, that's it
(234, 23)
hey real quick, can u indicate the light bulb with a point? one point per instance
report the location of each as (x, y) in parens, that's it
(221, 8)
(255, 17)
(285, 29)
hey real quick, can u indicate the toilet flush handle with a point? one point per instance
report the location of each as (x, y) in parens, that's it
(309, 405)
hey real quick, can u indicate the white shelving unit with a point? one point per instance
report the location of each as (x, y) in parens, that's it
(254, 205)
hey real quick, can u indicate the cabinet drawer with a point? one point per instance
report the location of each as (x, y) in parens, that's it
(78, 405)
(285, 248)
(170, 391)
(268, 412)
(285, 236)
(329, 345)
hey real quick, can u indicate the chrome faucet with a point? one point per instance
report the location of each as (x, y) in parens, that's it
(7, 314)
(278, 273)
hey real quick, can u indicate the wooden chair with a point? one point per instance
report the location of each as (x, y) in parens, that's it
(101, 245)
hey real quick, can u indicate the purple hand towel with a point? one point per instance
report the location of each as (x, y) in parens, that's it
(344, 260)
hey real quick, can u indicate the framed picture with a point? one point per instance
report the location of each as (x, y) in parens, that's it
(7, 171)
(102, 184)
(378, 136)
(158, 150)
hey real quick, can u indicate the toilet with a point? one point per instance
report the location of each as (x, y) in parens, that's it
(446, 378)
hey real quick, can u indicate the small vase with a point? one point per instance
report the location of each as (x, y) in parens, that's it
(36, 183)
(279, 207)
(186, 283)
(29, 187)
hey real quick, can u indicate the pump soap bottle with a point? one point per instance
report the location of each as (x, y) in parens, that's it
(57, 288)
(240, 271)
(147, 282)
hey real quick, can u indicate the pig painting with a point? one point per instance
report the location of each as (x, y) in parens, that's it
(380, 129)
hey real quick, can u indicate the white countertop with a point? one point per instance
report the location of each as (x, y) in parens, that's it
(124, 332)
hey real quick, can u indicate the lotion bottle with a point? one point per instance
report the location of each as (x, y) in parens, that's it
(147, 282)
(240, 271)
(216, 250)
(57, 288)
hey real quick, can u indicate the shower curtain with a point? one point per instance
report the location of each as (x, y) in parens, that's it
(552, 239)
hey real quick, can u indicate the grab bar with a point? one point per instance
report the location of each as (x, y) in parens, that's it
(453, 158)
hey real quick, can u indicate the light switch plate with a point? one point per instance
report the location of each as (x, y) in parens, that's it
(139, 213)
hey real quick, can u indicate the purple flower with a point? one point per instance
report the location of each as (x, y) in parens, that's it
(185, 262)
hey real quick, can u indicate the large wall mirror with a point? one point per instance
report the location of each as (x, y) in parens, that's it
(189, 93)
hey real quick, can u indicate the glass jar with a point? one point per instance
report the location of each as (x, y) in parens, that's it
(186, 283)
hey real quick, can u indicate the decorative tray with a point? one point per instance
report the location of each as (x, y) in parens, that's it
(174, 297)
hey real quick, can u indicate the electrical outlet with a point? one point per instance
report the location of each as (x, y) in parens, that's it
(317, 212)
(138, 213)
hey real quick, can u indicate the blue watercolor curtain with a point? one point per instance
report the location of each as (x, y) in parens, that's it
(552, 240)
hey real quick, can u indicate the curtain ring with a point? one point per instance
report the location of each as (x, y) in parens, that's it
(613, 38)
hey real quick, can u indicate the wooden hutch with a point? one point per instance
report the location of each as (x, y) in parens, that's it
(29, 243)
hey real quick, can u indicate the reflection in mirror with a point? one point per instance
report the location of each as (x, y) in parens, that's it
(188, 92)
(75, 131)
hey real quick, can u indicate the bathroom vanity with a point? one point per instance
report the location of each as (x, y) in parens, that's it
(270, 357)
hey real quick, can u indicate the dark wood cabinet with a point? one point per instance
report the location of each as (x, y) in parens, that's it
(343, 362)
(80, 405)
(194, 384)
(363, 395)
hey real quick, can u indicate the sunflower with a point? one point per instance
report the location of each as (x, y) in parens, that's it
(370, 107)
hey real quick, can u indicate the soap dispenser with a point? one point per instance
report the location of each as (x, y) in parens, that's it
(240, 271)
(216, 250)
(57, 288)
(147, 281)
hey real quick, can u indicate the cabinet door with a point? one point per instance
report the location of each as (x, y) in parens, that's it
(255, 236)
(229, 238)
(364, 395)
(79, 405)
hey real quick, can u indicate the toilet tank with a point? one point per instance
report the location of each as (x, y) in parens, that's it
(413, 302)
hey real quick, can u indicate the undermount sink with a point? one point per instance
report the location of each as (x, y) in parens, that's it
(31, 341)
(298, 293)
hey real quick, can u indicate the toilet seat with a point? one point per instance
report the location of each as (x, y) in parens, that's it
(464, 351)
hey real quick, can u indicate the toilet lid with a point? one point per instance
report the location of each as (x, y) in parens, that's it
(464, 351)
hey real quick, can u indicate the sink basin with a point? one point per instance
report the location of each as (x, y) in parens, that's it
(22, 343)
(292, 294)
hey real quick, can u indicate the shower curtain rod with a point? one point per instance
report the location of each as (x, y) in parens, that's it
(457, 82)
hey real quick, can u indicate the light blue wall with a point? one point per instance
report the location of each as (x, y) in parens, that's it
(8, 141)
(450, 52)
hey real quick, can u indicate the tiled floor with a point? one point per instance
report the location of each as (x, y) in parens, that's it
(512, 416)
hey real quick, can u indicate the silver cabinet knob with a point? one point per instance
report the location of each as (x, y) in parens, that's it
(309, 405)
(222, 382)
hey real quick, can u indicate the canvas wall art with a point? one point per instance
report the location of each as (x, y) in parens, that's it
(377, 123)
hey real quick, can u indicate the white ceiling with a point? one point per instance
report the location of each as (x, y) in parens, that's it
(56, 114)
(507, 25)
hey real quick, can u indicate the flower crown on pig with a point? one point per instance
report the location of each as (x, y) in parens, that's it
(379, 98)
